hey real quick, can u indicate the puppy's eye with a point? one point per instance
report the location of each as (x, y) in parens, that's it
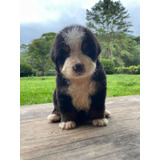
(66, 48)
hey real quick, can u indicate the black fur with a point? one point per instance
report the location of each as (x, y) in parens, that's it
(63, 101)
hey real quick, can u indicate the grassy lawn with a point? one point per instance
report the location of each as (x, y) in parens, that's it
(38, 90)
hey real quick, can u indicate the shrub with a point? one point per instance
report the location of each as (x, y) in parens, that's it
(108, 66)
(128, 70)
(118, 70)
(25, 70)
(50, 73)
(125, 70)
(134, 70)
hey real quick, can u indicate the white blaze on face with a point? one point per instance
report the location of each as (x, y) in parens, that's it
(73, 38)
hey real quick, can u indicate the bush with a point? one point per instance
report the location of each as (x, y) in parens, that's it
(134, 70)
(118, 70)
(108, 66)
(50, 73)
(128, 70)
(25, 70)
(125, 70)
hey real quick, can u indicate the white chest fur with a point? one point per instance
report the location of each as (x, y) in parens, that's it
(80, 90)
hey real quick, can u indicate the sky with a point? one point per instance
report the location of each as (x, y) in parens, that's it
(42, 16)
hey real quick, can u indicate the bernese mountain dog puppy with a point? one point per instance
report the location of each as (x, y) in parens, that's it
(81, 81)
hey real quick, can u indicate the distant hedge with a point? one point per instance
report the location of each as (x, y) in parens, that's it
(128, 70)
(25, 70)
(108, 66)
(50, 73)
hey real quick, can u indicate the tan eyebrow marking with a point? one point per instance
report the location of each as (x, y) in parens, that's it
(66, 48)
(84, 45)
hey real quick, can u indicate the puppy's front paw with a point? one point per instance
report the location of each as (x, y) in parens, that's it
(100, 122)
(67, 125)
(53, 118)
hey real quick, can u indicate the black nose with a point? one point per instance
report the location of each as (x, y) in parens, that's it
(78, 68)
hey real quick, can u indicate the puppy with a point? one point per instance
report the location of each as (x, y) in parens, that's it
(81, 81)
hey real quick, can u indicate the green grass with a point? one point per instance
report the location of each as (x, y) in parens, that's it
(38, 90)
(123, 85)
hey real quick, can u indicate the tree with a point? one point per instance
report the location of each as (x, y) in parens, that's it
(108, 17)
(108, 20)
(137, 39)
(23, 48)
(39, 50)
(24, 55)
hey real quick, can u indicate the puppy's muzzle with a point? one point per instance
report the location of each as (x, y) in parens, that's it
(79, 68)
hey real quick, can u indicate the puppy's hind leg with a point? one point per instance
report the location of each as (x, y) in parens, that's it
(102, 121)
(107, 114)
(98, 117)
(54, 117)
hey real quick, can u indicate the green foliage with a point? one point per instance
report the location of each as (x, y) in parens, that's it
(134, 70)
(108, 66)
(50, 72)
(108, 16)
(34, 72)
(23, 48)
(109, 20)
(123, 52)
(37, 52)
(121, 70)
(118, 62)
(127, 57)
(128, 70)
(131, 53)
(137, 39)
(48, 36)
(25, 70)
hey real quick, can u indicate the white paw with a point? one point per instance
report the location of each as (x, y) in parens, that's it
(100, 122)
(53, 118)
(67, 125)
(107, 113)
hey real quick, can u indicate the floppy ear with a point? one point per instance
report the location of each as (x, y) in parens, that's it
(98, 48)
(53, 52)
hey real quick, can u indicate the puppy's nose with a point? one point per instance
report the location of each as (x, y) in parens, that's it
(78, 68)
